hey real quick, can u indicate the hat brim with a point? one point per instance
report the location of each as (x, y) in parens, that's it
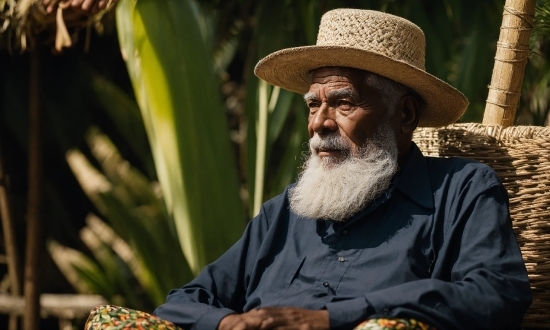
(289, 68)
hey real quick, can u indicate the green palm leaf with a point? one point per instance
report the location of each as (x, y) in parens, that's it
(178, 94)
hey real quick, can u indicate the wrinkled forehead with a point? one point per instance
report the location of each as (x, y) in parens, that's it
(341, 82)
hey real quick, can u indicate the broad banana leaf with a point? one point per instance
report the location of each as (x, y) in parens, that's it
(172, 74)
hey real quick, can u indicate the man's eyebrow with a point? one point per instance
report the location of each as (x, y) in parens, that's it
(343, 93)
(310, 96)
(338, 93)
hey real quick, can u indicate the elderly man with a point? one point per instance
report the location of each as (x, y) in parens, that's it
(372, 227)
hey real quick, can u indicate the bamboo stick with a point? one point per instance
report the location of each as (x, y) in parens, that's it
(510, 59)
(62, 306)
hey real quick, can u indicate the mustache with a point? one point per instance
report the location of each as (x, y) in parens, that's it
(331, 142)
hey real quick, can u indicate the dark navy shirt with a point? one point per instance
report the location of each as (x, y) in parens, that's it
(438, 246)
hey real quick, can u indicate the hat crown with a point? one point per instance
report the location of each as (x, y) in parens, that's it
(374, 31)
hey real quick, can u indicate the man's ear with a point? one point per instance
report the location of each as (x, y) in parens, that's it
(410, 114)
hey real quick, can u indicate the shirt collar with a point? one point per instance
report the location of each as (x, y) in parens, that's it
(414, 179)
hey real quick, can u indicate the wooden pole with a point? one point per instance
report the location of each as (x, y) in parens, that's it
(511, 56)
(10, 243)
(31, 316)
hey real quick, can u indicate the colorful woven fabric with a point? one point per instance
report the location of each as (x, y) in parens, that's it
(393, 324)
(110, 317)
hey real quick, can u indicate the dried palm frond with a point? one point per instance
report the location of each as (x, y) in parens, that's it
(7, 16)
(7, 10)
(54, 23)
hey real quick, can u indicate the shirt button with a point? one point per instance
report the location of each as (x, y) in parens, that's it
(344, 232)
(341, 259)
(326, 285)
(386, 311)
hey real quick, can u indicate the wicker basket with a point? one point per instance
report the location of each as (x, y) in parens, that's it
(521, 157)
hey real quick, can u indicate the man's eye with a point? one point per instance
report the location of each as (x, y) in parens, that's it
(344, 104)
(312, 105)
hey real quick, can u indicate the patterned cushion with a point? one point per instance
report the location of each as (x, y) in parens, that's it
(111, 317)
(393, 324)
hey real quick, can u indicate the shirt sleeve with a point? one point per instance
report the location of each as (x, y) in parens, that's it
(479, 280)
(218, 290)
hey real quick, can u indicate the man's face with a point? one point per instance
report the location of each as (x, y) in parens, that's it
(353, 147)
(341, 103)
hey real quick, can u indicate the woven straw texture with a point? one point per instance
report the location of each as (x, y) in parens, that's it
(376, 32)
(369, 40)
(521, 157)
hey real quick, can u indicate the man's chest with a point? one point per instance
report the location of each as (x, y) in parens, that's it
(386, 248)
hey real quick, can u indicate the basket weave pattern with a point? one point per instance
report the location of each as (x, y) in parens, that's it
(521, 157)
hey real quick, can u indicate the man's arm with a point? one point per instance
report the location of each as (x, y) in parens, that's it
(211, 296)
(219, 290)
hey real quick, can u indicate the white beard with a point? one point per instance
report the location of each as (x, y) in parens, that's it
(330, 189)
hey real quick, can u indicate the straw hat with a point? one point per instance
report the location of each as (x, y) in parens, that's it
(369, 40)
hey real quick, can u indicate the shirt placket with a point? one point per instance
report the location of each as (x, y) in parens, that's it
(339, 258)
(335, 266)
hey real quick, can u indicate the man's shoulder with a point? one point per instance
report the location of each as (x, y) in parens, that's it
(462, 171)
(456, 164)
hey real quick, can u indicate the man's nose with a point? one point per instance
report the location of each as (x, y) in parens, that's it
(324, 120)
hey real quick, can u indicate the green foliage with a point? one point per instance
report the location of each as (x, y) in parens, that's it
(124, 113)
(534, 108)
(134, 252)
(172, 74)
(542, 20)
